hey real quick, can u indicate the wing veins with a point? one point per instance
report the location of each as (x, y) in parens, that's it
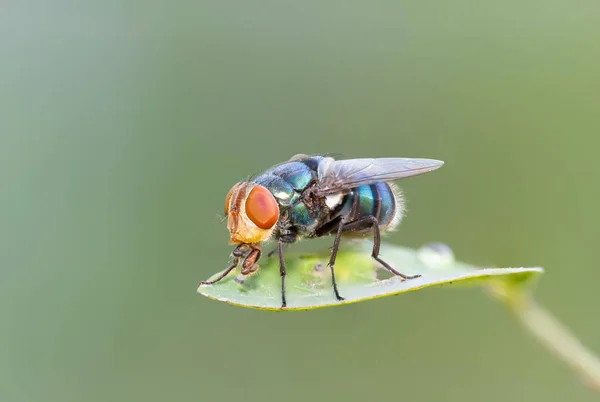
(338, 176)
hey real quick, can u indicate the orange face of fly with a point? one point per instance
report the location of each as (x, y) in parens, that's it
(252, 213)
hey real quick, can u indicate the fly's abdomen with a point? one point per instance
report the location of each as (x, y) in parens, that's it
(377, 200)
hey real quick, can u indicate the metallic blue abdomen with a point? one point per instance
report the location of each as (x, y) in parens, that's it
(376, 200)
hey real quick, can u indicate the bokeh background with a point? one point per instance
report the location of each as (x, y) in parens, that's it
(124, 124)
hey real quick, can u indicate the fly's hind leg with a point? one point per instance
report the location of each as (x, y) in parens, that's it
(370, 222)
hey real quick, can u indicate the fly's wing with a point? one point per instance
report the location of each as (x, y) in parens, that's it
(340, 176)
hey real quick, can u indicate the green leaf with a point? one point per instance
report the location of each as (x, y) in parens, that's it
(359, 277)
(308, 286)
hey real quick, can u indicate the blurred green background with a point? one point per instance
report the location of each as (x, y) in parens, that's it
(124, 124)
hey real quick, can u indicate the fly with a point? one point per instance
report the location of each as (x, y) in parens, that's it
(312, 196)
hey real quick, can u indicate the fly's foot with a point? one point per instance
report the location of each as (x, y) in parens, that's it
(409, 277)
(337, 294)
(334, 283)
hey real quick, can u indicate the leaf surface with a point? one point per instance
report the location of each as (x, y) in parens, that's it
(359, 277)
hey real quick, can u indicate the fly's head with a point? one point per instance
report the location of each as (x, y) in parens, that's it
(252, 213)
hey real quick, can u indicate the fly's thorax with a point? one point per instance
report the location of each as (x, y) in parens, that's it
(252, 213)
(289, 183)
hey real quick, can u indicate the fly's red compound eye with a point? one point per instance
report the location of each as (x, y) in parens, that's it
(262, 208)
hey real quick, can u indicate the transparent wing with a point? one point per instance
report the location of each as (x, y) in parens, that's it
(337, 176)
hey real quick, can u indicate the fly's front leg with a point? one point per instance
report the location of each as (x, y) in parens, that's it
(236, 262)
(249, 265)
(238, 252)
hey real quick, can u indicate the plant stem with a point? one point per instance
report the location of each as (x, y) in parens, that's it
(552, 333)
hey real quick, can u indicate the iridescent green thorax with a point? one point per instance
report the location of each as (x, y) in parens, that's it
(287, 181)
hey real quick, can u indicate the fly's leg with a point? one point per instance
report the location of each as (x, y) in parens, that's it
(282, 272)
(331, 264)
(274, 251)
(283, 240)
(249, 265)
(370, 222)
(236, 262)
(238, 252)
(286, 239)
(336, 243)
